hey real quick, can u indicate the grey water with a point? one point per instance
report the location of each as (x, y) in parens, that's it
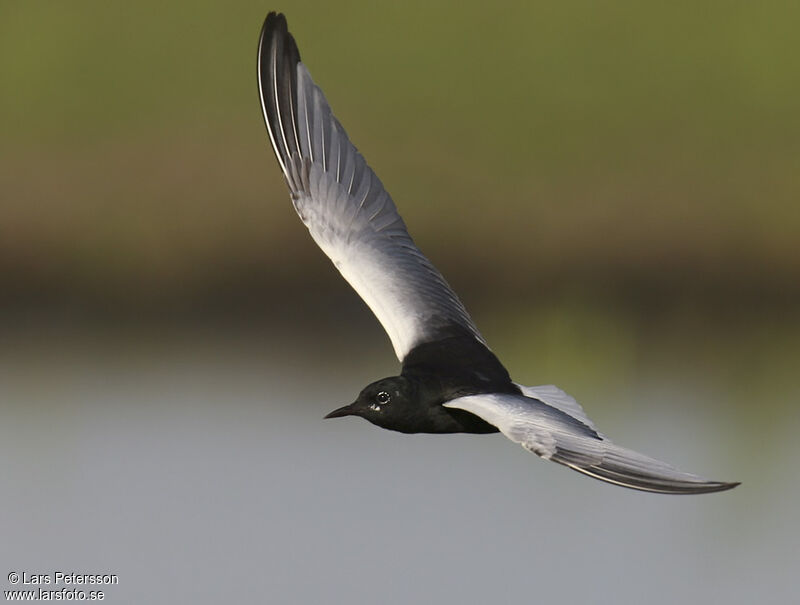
(197, 468)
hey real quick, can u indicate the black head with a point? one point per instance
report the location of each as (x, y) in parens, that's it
(387, 402)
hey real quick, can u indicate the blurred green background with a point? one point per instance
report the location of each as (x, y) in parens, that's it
(611, 187)
(613, 150)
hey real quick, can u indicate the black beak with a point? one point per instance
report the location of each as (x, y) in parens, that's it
(347, 410)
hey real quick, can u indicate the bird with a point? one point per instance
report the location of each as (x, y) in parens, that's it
(450, 381)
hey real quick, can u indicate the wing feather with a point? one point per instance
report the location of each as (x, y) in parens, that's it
(345, 206)
(554, 433)
(555, 397)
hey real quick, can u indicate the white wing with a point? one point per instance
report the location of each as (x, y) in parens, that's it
(555, 397)
(345, 207)
(557, 433)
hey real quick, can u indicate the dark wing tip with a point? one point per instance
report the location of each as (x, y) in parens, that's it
(273, 23)
(278, 57)
(275, 37)
(276, 28)
(652, 483)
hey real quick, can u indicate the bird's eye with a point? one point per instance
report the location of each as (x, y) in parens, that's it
(382, 397)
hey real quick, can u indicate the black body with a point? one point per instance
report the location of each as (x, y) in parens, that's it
(434, 373)
(450, 368)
